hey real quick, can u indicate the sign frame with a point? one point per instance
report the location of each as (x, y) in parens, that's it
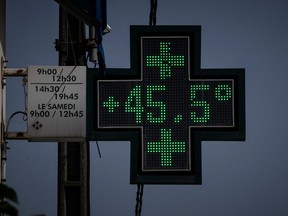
(237, 132)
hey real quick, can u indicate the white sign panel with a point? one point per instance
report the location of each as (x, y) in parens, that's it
(56, 103)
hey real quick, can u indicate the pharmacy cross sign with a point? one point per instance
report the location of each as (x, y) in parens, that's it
(172, 103)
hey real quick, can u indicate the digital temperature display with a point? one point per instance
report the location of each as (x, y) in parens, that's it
(168, 102)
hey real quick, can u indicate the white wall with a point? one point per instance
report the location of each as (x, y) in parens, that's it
(3, 23)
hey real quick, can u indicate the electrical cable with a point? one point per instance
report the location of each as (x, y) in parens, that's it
(72, 44)
(98, 148)
(153, 11)
(139, 196)
(12, 116)
(140, 187)
(6, 128)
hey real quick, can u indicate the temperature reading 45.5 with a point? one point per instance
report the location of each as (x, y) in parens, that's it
(207, 103)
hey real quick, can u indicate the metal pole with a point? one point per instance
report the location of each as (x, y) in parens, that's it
(73, 157)
(3, 146)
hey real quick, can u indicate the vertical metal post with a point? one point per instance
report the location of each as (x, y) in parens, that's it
(73, 157)
(3, 143)
(2, 90)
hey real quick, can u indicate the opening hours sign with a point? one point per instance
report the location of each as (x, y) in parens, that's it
(170, 103)
(56, 103)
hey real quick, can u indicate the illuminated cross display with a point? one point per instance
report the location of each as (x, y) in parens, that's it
(173, 103)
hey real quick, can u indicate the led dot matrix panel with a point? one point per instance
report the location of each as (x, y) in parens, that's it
(173, 103)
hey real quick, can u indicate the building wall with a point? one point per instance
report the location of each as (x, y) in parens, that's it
(2, 23)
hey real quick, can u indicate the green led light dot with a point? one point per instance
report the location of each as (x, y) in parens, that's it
(223, 92)
(178, 118)
(159, 104)
(199, 103)
(165, 61)
(134, 103)
(111, 104)
(166, 147)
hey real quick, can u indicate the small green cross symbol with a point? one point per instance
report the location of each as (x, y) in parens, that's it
(165, 61)
(166, 147)
(111, 104)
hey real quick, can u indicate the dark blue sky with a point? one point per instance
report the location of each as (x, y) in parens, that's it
(239, 178)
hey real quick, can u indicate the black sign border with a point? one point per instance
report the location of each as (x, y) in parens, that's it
(198, 135)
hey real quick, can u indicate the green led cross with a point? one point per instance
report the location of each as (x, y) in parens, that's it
(111, 104)
(165, 60)
(166, 147)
